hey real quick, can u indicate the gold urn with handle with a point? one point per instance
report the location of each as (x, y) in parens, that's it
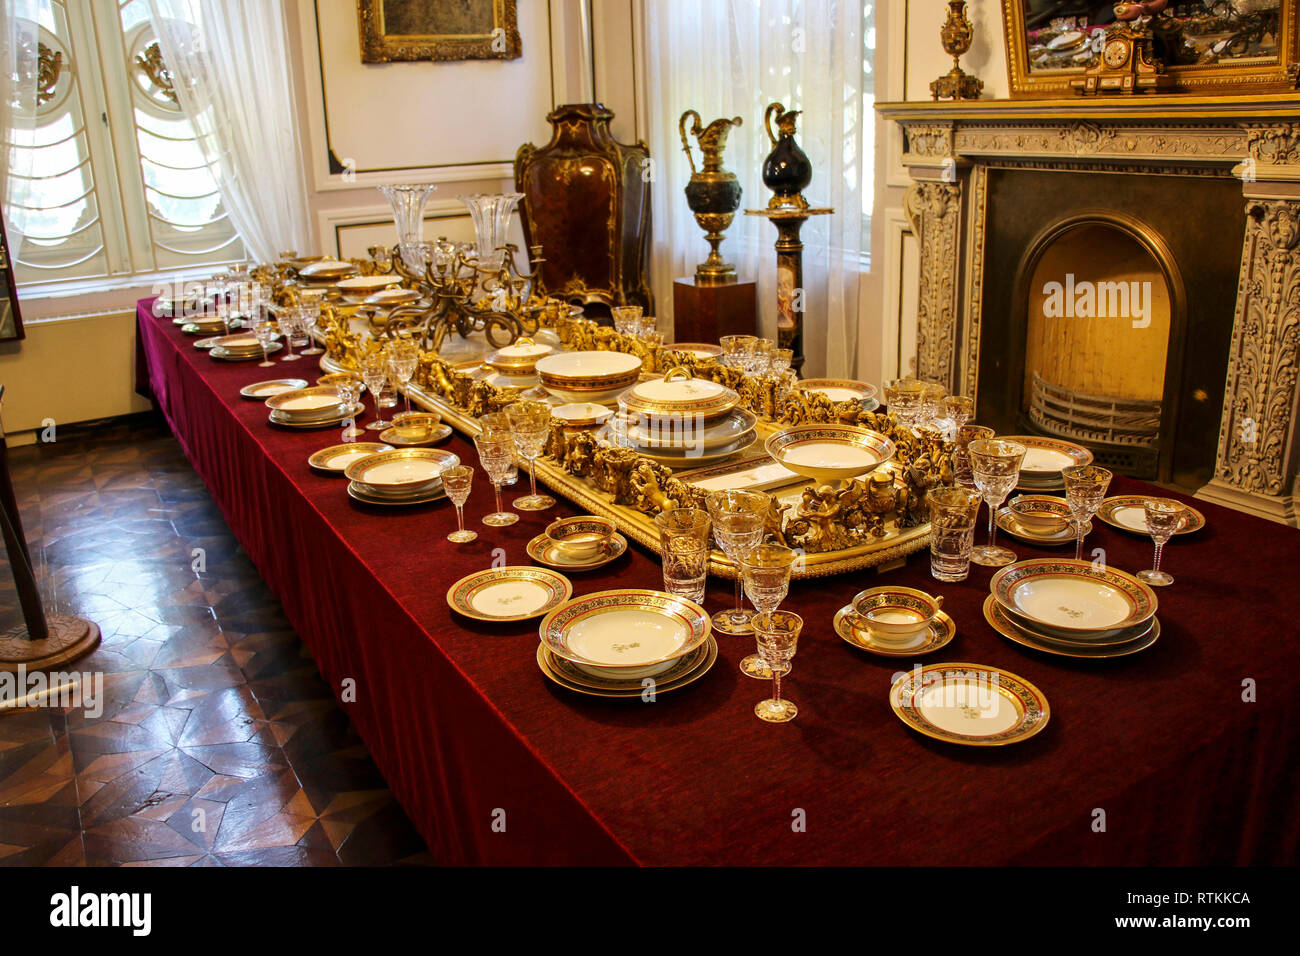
(713, 194)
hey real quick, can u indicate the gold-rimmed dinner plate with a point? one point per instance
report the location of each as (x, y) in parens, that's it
(438, 434)
(642, 687)
(358, 492)
(1001, 622)
(840, 389)
(969, 704)
(939, 634)
(1077, 600)
(226, 355)
(1007, 522)
(581, 414)
(402, 467)
(543, 550)
(1128, 513)
(509, 593)
(336, 458)
(366, 285)
(597, 680)
(685, 458)
(305, 404)
(625, 627)
(324, 269)
(261, 391)
(205, 327)
(1045, 457)
(674, 433)
(275, 418)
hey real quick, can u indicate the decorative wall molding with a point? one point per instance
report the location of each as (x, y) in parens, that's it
(934, 209)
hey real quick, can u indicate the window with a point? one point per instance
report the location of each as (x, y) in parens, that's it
(868, 184)
(113, 183)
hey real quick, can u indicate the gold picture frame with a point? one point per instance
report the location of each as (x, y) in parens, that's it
(405, 30)
(1251, 52)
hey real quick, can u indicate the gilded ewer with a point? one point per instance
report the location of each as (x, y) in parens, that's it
(713, 194)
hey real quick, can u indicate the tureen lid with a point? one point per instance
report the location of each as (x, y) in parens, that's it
(519, 357)
(679, 392)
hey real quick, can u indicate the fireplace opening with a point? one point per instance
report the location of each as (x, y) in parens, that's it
(1100, 300)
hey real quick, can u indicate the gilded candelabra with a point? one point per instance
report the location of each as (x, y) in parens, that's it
(460, 295)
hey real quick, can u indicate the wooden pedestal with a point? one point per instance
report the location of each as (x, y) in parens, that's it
(704, 313)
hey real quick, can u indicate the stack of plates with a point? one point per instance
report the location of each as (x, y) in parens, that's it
(327, 271)
(842, 390)
(357, 288)
(404, 476)
(682, 422)
(313, 407)
(240, 347)
(626, 642)
(588, 376)
(209, 325)
(1044, 459)
(1072, 608)
(261, 391)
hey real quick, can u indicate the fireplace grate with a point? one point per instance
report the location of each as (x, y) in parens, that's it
(1095, 419)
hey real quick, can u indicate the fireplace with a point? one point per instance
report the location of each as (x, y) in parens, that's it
(1122, 272)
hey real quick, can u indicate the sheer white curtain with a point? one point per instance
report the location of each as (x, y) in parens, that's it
(231, 63)
(18, 72)
(733, 58)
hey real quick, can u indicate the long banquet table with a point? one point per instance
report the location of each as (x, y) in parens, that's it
(496, 765)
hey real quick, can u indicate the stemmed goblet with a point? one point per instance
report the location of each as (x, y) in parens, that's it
(778, 638)
(957, 411)
(289, 318)
(457, 482)
(995, 465)
(961, 455)
(1085, 490)
(309, 316)
(374, 372)
(264, 332)
(738, 520)
(1164, 517)
(627, 318)
(349, 393)
(765, 572)
(403, 357)
(530, 425)
(496, 454)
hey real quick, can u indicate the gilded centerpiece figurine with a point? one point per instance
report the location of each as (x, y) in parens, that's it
(956, 36)
(713, 194)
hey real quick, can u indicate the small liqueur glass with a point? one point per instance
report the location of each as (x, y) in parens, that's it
(530, 426)
(495, 453)
(1164, 517)
(778, 639)
(1085, 490)
(738, 520)
(954, 512)
(684, 546)
(374, 373)
(995, 465)
(457, 482)
(765, 572)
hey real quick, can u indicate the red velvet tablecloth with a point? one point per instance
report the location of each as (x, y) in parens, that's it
(494, 764)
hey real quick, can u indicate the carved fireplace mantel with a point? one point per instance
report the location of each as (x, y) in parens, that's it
(949, 149)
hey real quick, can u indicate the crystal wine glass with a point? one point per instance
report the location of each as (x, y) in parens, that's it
(264, 332)
(530, 425)
(765, 572)
(906, 398)
(349, 393)
(309, 316)
(995, 465)
(495, 452)
(957, 411)
(402, 356)
(289, 318)
(961, 455)
(778, 638)
(1085, 490)
(456, 482)
(1164, 517)
(738, 519)
(374, 372)
(626, 318)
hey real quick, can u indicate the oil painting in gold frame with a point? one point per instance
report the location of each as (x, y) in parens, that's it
(1221, 47)
(394, 30)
